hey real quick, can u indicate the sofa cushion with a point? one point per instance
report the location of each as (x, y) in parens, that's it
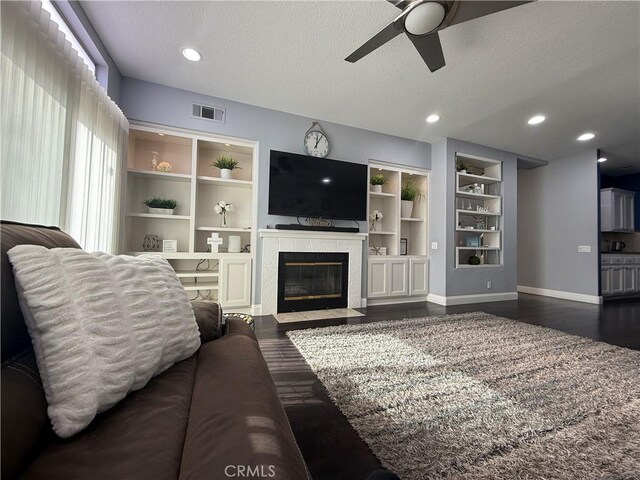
(141, 437)
(101, 326)
(25, 425)
(242, 425)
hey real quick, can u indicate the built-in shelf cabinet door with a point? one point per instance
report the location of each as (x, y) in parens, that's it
(398, 277)
(378, 278)
(605, 280)
(418, 276)
(617, 280)
(235, 287)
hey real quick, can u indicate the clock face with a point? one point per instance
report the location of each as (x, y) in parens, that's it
(316, 144)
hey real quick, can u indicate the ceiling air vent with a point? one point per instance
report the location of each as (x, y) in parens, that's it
(215, 114)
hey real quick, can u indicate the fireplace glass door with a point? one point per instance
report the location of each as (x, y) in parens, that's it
(312, 281)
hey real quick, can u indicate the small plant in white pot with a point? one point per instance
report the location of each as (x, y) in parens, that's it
(161, 206)
(226, 166)
(408, 195)
(461, 166)
(377, 181)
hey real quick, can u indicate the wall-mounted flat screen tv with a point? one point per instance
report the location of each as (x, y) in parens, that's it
(304, 186)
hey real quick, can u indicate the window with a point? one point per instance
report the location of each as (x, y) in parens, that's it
(64, 140)
(48, 6)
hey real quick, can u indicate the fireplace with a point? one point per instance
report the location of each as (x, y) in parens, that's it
(312, 281)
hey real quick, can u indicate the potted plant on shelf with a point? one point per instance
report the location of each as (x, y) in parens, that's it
(377, 181)
(408, 195)
(461, 166)
(226, 165)
(161, 206)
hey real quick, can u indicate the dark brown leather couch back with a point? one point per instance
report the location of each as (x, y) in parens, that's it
(25, 424)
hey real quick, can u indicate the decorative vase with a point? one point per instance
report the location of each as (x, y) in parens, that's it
(151, 243)
(406, 208)
(223, 221)
(373, 226)
(225, 173)
(376, 188)
(154, 160)
(234, 244)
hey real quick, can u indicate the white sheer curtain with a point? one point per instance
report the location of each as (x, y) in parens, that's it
(63, 139)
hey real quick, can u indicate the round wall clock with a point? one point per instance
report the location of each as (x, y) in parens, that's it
(316, 142)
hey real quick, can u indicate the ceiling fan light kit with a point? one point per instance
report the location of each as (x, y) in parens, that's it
(421, 20)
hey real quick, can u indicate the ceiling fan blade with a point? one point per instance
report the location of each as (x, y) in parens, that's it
(383, 36)
(430, 50)
(470, 9)
(401, 4)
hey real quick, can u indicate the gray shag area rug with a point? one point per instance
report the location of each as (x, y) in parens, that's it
(475, 396)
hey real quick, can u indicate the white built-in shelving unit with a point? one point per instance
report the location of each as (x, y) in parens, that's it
(395, 276)
(478, 221)
(197, 187)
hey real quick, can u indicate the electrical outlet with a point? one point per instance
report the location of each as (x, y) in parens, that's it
(584, 248)
(434, 245)
(489, 284)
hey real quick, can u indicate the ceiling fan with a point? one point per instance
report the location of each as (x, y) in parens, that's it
(421, 20)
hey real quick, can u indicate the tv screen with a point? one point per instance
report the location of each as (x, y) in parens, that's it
(304, 186)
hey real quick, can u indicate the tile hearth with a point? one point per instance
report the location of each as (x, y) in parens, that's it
(317, 315)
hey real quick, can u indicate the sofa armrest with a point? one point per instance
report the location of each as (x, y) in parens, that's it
(238, 327)
(209, 319)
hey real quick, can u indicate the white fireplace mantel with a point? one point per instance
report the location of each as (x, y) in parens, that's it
(276, 241)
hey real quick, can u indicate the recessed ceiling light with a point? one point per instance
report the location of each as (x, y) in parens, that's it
(161, 134)
(227, 144)
(326, 180)
(602, 159)
(586, 136)
(191, 54)
(536, 119)
(433, 118)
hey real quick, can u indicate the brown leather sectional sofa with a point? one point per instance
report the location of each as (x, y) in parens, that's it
(213, 416)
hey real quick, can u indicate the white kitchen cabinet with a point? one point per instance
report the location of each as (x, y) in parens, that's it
(418, 276)
(616, 210)
(605, 279)
(629, 280)
(378, 278)
(617, 279)
(398, 277)
(235, 287)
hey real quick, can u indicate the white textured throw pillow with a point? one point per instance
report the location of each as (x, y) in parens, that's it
(101, 326)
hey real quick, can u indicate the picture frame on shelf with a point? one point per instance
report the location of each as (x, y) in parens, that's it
(170, 246)
(404, 246)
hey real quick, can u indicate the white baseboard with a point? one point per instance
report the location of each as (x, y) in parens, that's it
(363, 303)
(576, 297)
(256, 309)
(465, 299)
(393, 301)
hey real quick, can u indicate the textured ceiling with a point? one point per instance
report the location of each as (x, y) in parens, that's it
(576, 62)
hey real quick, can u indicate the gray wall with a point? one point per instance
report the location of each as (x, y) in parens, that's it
(558, 210)
(442, 224)
(153, 103)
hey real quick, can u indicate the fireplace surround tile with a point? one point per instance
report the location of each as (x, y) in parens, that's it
(276, 241)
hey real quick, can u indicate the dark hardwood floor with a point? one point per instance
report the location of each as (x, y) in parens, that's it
(331, 447)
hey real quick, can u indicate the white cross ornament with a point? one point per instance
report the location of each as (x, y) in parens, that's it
(215, 242)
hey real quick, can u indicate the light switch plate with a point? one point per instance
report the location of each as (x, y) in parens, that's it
(584, 248)
(434, 245)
